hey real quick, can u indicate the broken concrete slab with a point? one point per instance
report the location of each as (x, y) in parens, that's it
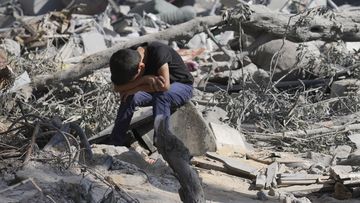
(241, 166)
(190, 127)
(302, 190)
(229, 140)
(352, 46)
(340, 172)
(141, 116)
(213, 114)
(345, 87)
(342, 152)
(209, 164)
(324, 159)
(355, 138)
(93, 42)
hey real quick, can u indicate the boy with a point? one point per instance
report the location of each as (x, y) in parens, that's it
(151, 74)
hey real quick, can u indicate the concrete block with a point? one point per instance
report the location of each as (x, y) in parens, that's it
(355, 138)
(345, 87)
(342, 152)
(93, 42)
(228, 140)
(323, 159)
(191, 128)
(352, 46)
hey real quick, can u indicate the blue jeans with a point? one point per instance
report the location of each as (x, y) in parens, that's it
(177, 95)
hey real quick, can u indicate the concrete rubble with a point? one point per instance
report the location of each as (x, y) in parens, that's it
(273, 118)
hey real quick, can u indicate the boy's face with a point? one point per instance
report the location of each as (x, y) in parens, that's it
(140, 70)
(141, 65)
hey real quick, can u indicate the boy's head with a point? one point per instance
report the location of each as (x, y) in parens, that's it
(125, 65)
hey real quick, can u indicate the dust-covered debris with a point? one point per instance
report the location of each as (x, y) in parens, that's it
(282, 76)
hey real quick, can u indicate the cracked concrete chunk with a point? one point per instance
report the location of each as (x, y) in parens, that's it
(191, 128)
(229, 139)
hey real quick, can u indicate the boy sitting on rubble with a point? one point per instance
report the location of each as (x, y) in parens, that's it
(150, 74)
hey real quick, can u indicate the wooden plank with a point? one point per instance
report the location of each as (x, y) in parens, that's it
(305, 182)
(303, 179)
(271, 172)
(205, 163)
(301, 176)
(297, 182)
(305, 190)
(234, 164)
(352, 182)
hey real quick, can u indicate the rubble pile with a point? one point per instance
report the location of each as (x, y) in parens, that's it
(275, 112)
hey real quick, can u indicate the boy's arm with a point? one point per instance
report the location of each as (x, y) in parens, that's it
(160, 83)
(128, 86)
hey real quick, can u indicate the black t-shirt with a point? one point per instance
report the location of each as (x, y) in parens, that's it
(157, 54)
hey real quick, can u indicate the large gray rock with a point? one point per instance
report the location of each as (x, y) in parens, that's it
(292, 58)
(191, 128)
(345, 88)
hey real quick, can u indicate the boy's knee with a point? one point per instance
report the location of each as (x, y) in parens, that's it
(161, 96)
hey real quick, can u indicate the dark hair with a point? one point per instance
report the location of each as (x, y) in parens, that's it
(124, 65)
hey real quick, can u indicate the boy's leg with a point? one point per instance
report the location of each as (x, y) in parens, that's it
(124, 115)
(177, 95)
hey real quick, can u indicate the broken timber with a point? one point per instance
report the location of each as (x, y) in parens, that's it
(303, 179)
(239, 166)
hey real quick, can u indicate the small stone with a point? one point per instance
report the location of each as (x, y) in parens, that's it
(341, 192)
(261, 196)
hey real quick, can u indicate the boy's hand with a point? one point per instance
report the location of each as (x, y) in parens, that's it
(156, 82)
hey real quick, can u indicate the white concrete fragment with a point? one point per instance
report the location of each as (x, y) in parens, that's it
(228, 139)
(93, 42)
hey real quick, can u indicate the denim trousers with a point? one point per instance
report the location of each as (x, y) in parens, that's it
(177, 95)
